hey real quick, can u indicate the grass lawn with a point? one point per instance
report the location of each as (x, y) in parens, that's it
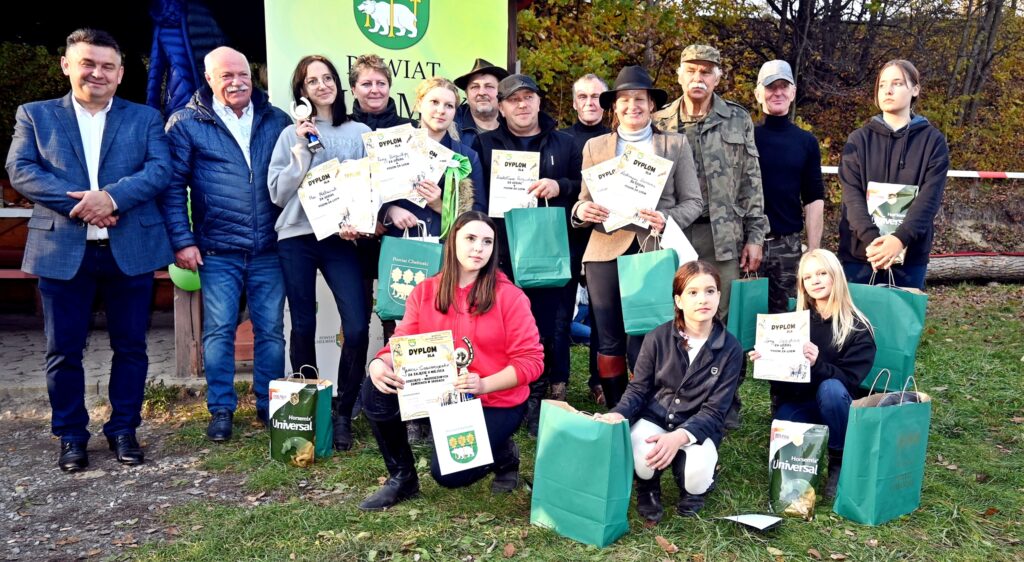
(970, 361)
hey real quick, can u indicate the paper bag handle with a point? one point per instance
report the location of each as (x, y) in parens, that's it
(888, 378)
(422, 226)
(904, 391)
(300, 373)
(657, 240)
(892, 279)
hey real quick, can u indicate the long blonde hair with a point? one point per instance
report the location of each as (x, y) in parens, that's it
(839, 306)
(439, 82)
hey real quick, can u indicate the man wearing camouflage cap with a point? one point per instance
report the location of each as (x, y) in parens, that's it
(731, 229)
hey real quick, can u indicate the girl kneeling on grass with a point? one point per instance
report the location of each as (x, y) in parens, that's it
(473, 299)
(685, 378)
(841, 352)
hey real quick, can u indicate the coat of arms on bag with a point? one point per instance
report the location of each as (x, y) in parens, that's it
(462, 446)
(405, 276)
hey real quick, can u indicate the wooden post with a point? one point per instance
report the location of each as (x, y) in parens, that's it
(188, 332)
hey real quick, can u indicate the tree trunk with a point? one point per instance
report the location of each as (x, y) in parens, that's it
(984, 268)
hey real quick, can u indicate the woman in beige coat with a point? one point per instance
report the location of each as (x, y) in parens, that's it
(632, 100)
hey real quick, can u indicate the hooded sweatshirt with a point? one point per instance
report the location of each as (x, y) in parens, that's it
(914, 155)
(292, 160)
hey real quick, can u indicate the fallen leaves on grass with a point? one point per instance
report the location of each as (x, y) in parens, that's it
(126, 540)
(837, 556)
(668, 547)
(989, 512)
(509, 551)
(1018, 419)
(67, 541)
(871, 542)
(774, 551)
(813, 553)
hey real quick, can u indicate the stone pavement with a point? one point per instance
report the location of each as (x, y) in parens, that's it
(23, 359)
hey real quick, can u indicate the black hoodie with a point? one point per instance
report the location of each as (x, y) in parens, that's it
(914, 155)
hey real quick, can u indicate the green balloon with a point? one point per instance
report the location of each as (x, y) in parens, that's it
(185, 279)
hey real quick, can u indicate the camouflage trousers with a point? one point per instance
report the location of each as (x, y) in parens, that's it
(781, 257)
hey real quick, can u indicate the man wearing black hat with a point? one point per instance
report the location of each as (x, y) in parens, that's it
(479, 113)
(524, 127)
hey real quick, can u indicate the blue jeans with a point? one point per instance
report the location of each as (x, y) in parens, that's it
(903, 275)
(224, 278)
(301, 257)
(67, 313)
(831, 407)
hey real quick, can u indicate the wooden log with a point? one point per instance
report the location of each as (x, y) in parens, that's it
(188, 333)
(976, 268)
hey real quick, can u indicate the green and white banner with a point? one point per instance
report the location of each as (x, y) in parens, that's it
(417, 38)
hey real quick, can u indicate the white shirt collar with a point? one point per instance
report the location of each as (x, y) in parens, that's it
(81, 109)
(223, 109)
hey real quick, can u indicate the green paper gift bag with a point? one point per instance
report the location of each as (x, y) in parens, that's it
(747, 298)
(404, 263)
(538, 245)
(897, 315)
(583, 475)
(884, 457)
(645, 288)
(300, 418)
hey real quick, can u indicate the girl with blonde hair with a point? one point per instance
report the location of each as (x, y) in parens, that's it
(841, 352)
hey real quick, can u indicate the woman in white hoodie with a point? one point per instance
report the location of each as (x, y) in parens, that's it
(316, 79)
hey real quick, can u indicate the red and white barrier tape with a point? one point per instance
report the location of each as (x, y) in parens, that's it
(956, 174)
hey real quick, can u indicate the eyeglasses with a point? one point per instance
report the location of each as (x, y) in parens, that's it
(327, 80)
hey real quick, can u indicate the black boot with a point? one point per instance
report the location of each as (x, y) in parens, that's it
(403, 482)
(506, 468)
(689, 504)
(538, 389)
(614, 377)
(835, 464)
(342, 432)
(648, 498)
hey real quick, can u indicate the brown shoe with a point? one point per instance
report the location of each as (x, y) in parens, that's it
(597, 394)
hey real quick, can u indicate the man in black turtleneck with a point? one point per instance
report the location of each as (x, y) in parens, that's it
(586, 95)
(791, 179)
(586, 100)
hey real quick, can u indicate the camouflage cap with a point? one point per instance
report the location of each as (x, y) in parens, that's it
(705, 53)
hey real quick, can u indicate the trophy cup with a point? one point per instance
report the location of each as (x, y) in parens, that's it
(301, 113)
(463, 357)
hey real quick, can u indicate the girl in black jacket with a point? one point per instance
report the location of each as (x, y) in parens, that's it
(685, 378)
(897, 147)
(841, 352)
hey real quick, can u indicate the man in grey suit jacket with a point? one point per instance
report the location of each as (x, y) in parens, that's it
(93, 164)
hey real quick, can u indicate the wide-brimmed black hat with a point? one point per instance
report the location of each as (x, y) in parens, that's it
(634, 78)
(481, 66)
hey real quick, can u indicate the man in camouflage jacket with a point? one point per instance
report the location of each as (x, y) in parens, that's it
(731, 230)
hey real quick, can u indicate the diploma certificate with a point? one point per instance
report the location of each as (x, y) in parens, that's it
(780, 340)
(396, 164)
(512, 172)
(323, 199)
(427, 364)
(362, 199)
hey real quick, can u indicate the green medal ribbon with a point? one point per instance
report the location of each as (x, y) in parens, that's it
(453, 176)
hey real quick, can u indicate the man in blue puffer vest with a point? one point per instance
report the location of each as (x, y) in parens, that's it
(221, 144)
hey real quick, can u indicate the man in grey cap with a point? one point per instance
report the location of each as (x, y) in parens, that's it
(791, 175)
(524, 127)
(731, 229)
(479, 112)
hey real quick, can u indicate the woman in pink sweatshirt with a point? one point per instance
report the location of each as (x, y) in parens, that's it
(474, 300)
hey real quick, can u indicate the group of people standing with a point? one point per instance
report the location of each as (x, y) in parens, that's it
(117, 198)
